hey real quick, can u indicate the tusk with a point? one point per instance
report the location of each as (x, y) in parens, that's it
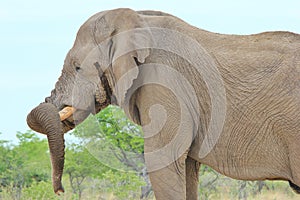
(66, 112)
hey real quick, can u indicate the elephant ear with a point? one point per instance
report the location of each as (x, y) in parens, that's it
(127, 39)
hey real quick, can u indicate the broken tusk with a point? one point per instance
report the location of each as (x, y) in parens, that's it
(66, 113)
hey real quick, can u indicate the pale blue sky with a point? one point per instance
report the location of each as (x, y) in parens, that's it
(36, 35)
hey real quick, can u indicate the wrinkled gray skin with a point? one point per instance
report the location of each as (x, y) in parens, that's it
(261, 74)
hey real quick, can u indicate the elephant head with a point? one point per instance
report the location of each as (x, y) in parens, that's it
(91, 69)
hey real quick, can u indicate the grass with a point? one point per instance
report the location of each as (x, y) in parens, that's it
(224, 189)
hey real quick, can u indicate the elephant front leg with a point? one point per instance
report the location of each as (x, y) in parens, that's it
(169, 183)
(192, 178)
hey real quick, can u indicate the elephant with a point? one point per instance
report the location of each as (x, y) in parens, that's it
(227, 101)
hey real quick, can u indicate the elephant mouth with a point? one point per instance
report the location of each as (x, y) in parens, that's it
(70, 119)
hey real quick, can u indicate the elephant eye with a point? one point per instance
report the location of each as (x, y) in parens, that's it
(77, 69)
(77, 66)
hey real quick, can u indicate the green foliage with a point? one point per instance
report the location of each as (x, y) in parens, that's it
(112, 125)
(20, 167)
(113, 139)
(125, 186)
(117, 143)
(80, 165)
(30, 148)
(39, 190)
(120, 131)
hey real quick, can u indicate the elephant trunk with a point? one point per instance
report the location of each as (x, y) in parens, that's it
(45, 119)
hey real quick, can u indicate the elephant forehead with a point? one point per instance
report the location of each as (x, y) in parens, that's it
(91, 22)
(87, 30)
(85, 42)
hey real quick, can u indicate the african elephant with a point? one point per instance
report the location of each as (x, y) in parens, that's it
(228, 101)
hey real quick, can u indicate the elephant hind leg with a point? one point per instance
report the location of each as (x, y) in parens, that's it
(294, 154)
(192, 178)
(295, 187)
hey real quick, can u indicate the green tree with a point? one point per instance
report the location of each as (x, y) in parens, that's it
(39, 190)
(119, 144)
(79, 166)
(23, 164)
(5, 163)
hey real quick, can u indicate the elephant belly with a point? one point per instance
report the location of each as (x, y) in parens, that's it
(249, 152)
